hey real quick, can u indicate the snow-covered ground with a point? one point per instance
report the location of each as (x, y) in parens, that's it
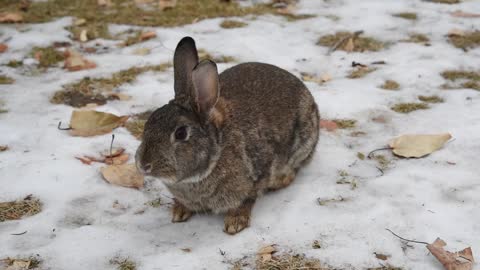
(436, 196)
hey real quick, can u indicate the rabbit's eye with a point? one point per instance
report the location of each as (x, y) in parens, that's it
(181, 133)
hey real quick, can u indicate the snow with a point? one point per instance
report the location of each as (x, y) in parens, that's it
(416, 198)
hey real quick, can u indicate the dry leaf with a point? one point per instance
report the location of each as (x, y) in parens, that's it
(147, 35)
(125, 175)
(19, 265)
(104, 3)
(380, 256)
(3, 148)
(186, 250)
(75, 62)
(265, 253)
(79, 21)
(312, 78)
(118, 160)
(456, 32)
(3, 48)
(166, 4)
(142, 51)
(115, 152)
(462, 14)
(83, 36)
(11, 17)
(91, 123)
(328, 125)
(418, 145)
(462, 260)
(85, 160)
(349, 46)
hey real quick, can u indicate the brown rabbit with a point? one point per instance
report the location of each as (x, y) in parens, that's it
(224, 140)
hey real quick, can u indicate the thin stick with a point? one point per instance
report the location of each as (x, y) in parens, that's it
(379, 149)
(111, 144)
(406, 240)
(19, 233)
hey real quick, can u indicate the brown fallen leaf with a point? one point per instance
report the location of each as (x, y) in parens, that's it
(166, 4)
(19, 265)
(117, 160)
(418, 145)
(85, 160)
(3, 48)
(125, 175)
(90, 123)
(462, 260)
(120, 96)
(462, 14)
(3, 148)
(11, 17)
(147, 35)
(115, 152)
(187, 250)
(75, 62)
(265, 253)
(328, 125)
(380, 256)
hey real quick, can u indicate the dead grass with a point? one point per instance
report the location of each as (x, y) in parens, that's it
(417, 38)
(14, 64)
(431, 99)
(123, 264)
(345, 123)
(406, 15)
(409, 107)
(228, 24)
(467, 79)
(290, 262)
(361, 44)
(47, 56)
(29, 263)
(203, 54)
(467, 41)
(127, 12)
(382, 161)
(390, 85)
(6, 80)
(136, 123)
(445, 1)
(93, 30)
(14, 210)
(96, 90)
(360, 72)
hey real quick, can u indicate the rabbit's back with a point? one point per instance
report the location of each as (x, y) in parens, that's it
(275, 114)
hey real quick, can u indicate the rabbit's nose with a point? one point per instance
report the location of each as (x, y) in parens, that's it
(147, 168)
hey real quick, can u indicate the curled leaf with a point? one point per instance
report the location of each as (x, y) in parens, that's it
(125, 175)
(91, 123)
(462, 260)
(265, 253)
(418, 145)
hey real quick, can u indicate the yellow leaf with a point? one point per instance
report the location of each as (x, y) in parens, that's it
(83, 36)
(125, 175)
(418, 145)
(91, 123)
(265, 253)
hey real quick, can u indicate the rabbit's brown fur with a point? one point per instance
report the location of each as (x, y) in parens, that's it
(249, 130)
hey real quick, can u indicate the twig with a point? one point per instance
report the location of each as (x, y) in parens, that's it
(111, 144)
(60, 128)
(379, 62)
(406, 240)
(19, 233)
(379, 149)
(356, 64)
(382, 173)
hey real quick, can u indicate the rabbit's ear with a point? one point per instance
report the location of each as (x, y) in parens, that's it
(205, 88)
(184, 60)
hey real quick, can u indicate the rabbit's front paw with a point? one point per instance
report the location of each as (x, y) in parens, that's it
(180, 213)
(238, 219)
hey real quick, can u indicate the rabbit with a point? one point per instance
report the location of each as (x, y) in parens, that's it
(226, 139)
